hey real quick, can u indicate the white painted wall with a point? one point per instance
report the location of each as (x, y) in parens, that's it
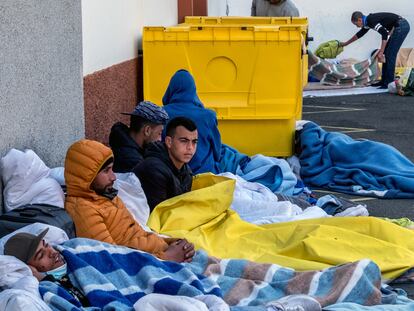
(331, 20)
(112, 29)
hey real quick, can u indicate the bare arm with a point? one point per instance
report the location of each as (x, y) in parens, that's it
(380, 54)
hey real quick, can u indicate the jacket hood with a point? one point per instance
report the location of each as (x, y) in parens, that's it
(83, 161)
(182, 90)
(119, 137)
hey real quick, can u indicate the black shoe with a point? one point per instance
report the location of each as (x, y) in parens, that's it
(379, 83)
(383, 87)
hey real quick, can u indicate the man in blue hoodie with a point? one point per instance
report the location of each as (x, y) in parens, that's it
(181, 100)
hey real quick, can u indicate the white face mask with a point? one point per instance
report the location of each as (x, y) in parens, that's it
(59, 272)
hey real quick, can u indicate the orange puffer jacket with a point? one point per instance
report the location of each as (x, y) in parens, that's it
(97, 217)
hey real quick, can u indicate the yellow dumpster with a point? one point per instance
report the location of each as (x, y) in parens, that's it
(250, 75)
(242, 20)
(258, 20)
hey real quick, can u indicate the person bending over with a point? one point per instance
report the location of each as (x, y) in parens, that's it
(393, 30)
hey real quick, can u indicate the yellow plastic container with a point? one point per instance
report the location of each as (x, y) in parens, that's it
(257, 20)
(241, 20)
(250, 75)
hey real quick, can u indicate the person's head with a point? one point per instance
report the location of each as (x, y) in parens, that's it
(147, 123)
(357, 19)
(181, 90)
(181, 140)
(104, 180)
(88, 169)
(34, 251)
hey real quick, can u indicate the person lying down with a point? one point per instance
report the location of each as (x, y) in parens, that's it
(82, 272)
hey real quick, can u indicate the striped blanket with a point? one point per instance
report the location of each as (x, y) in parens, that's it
(358, 74)
(116, 277)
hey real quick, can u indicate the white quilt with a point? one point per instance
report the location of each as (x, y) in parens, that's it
(257, 204)
(26, 181)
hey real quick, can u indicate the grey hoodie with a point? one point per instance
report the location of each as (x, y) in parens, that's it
(265, 8)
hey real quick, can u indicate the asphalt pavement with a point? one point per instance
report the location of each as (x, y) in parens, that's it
(381, 117)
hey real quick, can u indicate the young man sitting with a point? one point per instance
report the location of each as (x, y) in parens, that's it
(97, 211)
(164, 173)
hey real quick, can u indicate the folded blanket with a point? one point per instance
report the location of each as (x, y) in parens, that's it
(204, 217)
(335, 161)
(116, 277)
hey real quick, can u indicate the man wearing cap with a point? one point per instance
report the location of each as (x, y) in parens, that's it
(46, 263)
(97, 211)
(128, 143)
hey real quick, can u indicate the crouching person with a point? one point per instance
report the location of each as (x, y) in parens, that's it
(97, 211)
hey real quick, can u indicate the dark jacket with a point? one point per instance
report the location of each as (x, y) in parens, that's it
(127, 153)
(159, 178)
(383, 23)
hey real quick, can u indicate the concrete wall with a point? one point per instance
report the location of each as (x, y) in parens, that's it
(112, 31)
(331, 20)
(41, 91)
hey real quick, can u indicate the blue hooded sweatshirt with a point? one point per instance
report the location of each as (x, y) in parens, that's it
(181, 100)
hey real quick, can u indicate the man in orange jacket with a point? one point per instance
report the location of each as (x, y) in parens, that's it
(97, 211)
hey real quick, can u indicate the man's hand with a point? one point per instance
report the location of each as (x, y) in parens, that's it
(381, 57)
(180, 251)
(341, 44)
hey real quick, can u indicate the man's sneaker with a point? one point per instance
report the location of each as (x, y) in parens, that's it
(294, 303)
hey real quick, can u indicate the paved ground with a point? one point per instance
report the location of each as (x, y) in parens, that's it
(381, 117)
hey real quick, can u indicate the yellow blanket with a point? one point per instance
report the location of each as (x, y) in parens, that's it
(203, 217)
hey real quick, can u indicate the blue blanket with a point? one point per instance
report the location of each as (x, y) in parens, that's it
(273, 173)
(116, 277)
(337, 162)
